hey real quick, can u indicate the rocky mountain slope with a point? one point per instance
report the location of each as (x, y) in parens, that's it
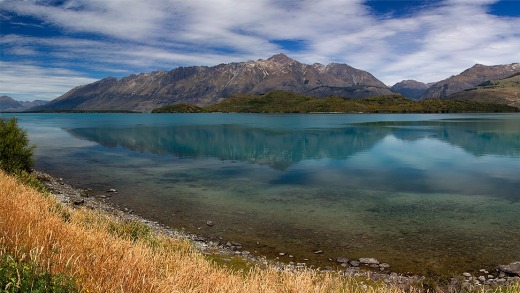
(503, 91)
(8, 104)
(410, 88)
(202, 85)
(470, 78)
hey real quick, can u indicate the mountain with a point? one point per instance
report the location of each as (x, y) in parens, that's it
(470, 78)
(410, 88)
(502, 91)
(8, 104)
(202, 85)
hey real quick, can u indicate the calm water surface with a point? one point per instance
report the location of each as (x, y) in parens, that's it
(425, 193)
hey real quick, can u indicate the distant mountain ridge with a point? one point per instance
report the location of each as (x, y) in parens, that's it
(8, 104)
(470, 78)
(203, 85)
(411, 89)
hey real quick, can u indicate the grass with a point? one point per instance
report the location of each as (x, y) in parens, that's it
(90, 251)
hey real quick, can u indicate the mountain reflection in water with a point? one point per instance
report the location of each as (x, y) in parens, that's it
(283, 148)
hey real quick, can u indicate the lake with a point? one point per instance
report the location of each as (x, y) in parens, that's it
(425, 193)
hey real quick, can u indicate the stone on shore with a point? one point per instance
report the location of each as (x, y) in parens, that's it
(78, 202)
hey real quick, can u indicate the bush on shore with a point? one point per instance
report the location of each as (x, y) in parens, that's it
(16, 154)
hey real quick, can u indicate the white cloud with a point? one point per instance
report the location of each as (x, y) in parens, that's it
(428, 45)
(122, 19)
(27, 82)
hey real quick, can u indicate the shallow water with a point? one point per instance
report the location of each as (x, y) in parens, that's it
(425, 193)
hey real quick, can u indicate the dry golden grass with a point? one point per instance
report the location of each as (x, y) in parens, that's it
(104, 254)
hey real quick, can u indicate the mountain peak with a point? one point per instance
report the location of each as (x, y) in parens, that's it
(280, 58)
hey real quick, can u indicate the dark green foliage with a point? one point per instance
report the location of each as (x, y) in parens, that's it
(130, 229)
(287, 102)
(15, 151)
(461, 106)
(272, 102)
(23, 276)
(30, 179)
(179, 108)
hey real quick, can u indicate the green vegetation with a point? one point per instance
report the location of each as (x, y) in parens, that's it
(15, 151)
(25, 276)
(287, 102)
(179, 108)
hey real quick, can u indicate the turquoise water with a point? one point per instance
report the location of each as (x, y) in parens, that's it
(425, 193)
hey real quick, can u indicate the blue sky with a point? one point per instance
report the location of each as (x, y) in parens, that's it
(50, 46)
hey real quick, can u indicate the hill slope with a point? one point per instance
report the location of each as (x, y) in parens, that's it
(201, 85)
(470, 78)
(504, 91)
(287, 102)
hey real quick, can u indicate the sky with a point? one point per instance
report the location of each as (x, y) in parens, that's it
(48, 47)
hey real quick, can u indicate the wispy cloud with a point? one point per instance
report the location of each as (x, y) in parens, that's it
(28, 82)
(134, 36)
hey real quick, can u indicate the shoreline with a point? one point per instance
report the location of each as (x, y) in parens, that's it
(367, 268)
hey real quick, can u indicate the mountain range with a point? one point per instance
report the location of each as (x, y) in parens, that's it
(203, 85)
(8, 104)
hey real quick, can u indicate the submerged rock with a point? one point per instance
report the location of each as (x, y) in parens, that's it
(369, 261)
(342, 260)
(512, 268)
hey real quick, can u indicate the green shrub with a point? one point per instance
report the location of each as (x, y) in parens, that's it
(23, 276)
(16, 154)
(130, 229)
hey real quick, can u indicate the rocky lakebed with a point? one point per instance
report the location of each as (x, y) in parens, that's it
(368, 268)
